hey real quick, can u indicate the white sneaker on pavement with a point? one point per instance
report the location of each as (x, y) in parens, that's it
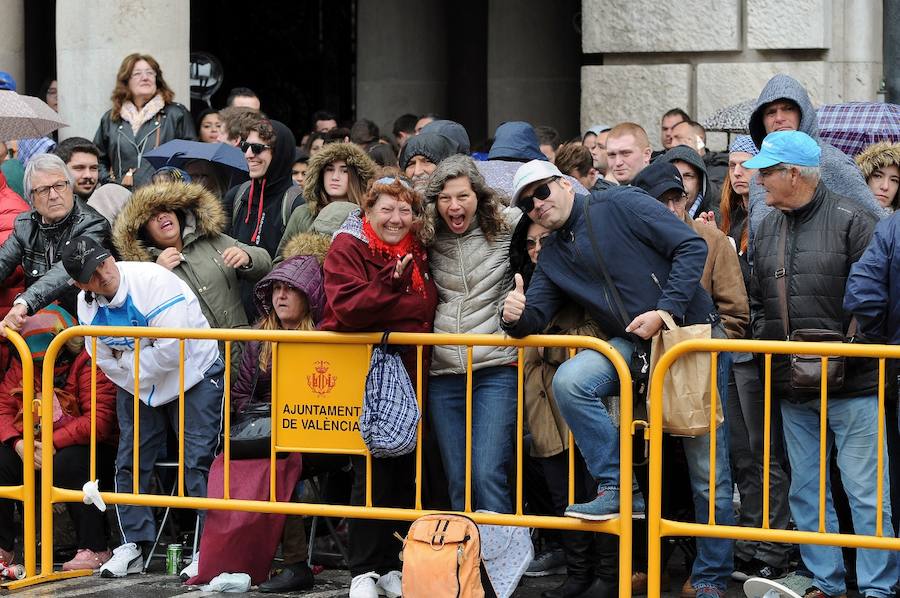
(363, 586)
(390, 584)
(193, 569)
(126, 559)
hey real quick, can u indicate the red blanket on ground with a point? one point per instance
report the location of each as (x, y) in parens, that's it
(239, 542)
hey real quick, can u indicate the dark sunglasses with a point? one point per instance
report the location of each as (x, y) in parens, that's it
(533, 243)
(256, 148)
(542, 192)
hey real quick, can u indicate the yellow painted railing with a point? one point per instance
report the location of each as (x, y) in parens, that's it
(25, 491)
(288, 362)
(660, 528)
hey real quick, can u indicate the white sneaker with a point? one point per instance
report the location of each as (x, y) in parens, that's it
(193, 569)
(363, 586)
(126, 559)
(390, 584)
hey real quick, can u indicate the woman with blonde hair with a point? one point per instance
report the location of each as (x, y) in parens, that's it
(143, 116)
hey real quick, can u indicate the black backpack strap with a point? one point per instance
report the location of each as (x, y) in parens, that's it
(287, 204)
(238, 202)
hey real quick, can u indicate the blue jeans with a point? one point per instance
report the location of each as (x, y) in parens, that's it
(715, 557)
(493, 429)
(853, 430)
(578, 386)
(203, 416)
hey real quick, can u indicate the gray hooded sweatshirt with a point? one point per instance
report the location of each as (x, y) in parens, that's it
(838, 171)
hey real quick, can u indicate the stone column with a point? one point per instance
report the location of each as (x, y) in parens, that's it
(12, 40)
(534, 58)
(401, 59)
(92, 38)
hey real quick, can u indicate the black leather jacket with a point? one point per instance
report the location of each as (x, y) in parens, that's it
(37, 247)
(121, 149)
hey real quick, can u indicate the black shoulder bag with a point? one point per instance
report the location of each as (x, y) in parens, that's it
(806, 370)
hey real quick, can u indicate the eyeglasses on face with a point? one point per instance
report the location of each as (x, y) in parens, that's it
(256, 148)
(44, 192)
(765, 172)
(139, 74)
(541, 192)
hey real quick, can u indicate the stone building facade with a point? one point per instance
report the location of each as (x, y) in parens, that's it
(566, 63)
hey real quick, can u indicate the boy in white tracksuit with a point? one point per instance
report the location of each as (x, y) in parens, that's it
(146, 294)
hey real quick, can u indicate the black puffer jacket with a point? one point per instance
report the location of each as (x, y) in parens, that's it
(37, 247)
(121, 148)
(824, 238)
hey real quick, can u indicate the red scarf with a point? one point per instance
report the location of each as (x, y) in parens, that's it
(406, 246)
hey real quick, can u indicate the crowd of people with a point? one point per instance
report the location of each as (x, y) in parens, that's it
(351, 231)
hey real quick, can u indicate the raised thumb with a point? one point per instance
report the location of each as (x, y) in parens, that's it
(520, 283)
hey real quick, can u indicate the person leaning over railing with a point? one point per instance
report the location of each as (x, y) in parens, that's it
(589, 558)
(470, 263)
(141, 294)
(377, 278)
(71, 451)
(655, 262)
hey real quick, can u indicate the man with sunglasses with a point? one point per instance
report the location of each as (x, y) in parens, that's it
(39, 235)
(655, 262)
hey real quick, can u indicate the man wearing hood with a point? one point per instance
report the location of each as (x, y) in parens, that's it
(420, 156)
(784, 105)
(257, 208)
(515, 143)
(703, 196)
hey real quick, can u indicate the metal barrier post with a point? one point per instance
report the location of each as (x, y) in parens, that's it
(280, 339)
(26, 491)
(659, 527)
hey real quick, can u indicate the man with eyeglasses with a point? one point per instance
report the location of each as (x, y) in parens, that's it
(655, 262)
(804, 250)
(39, 236)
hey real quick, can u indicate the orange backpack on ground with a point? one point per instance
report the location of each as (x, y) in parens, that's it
(442, 558)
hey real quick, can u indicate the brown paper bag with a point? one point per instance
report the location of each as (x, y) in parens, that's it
(686, 386)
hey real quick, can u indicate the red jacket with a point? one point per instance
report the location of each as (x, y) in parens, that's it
(73, 430)
(11, 205)
(362, 295)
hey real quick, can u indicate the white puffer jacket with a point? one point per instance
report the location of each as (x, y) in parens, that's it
(473, 277)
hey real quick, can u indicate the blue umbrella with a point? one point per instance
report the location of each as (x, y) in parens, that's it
(179, 151)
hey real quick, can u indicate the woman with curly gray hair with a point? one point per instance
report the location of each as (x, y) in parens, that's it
(469, 256)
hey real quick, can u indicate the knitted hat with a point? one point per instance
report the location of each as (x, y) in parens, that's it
(743, 143)
(41, 328)
(434, 147)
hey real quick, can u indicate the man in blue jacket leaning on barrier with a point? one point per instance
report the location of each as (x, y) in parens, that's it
(655, 262)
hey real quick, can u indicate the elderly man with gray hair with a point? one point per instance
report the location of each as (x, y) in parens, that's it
(39, 235)
(804, 250)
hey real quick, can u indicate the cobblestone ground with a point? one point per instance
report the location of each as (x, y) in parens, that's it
(329, 584)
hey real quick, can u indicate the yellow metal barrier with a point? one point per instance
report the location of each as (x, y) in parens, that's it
(25, 491)
(659, 528)
(293, 354)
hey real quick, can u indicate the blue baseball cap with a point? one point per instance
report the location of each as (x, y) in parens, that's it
(790, 147)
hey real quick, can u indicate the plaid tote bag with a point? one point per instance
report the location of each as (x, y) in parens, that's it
(390, 413)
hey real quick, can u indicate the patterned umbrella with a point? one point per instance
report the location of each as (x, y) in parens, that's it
(25, 117)
(854, 126)
(731, 119)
